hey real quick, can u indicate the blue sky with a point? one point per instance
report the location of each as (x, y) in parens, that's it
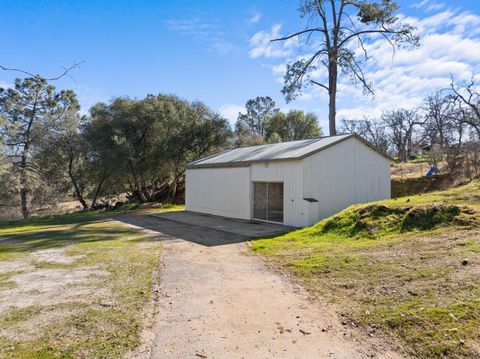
(218, 51)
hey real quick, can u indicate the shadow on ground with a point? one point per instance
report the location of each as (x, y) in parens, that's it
(193, 227)
(181, 231)
(203, 229)
(47, 237)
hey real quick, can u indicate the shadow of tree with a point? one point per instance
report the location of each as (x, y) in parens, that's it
(57, 235)
(60, 231)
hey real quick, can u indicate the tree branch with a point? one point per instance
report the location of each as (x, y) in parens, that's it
(364, 32)
(66, 71)
(297, 34)
(320, 84)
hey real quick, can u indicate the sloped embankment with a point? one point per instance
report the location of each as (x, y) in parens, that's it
(378, 219)
(406, 270)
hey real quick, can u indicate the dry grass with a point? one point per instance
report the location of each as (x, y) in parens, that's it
(404, 269)
(410, 170)
(73, 286)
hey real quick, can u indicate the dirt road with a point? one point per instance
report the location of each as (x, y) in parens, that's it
(217, 301)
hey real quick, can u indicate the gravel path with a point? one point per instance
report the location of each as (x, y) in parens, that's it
(219, 302)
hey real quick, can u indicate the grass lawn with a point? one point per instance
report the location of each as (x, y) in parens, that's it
(74, 286)
(406, 269)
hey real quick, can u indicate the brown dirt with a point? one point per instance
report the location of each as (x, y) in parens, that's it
(218, 302)
(50, 286)
(54, 256)
(37, 286)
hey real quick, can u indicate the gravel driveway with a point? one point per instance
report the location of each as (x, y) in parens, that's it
(216, 301)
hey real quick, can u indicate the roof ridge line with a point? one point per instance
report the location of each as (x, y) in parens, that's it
(279, 152)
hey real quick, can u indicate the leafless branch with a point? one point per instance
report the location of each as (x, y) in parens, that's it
(297, 34)
(320, 84)
(365, 32)
(66, 71)
(467, 101)
(360, 76)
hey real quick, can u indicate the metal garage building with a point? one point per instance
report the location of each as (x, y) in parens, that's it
(295, 183)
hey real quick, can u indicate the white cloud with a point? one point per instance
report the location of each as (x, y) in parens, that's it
(203, 30)
(221, 46)
(429, 5)
(262, 45)
(466, 23)
(255, 18)
(420, 4)
(450, 45)
(230, 112)
(435, 7)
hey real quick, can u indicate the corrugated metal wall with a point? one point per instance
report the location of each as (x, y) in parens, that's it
(342, 175)
(295, 209)
(220, 191)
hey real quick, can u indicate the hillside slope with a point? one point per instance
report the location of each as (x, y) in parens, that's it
(406, 269)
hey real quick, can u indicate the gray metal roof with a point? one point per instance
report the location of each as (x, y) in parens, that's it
(293, 150)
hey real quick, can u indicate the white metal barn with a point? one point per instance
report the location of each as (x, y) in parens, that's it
(295, 183)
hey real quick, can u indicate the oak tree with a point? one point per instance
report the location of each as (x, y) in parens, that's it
(294, 125)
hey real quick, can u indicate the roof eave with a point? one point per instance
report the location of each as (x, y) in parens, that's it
(193, 165)
(240, 164)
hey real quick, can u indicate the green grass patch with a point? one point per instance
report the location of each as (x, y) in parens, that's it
(100, 326)
(398, 268)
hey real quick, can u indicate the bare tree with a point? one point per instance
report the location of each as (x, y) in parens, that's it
(454, 159)
(352, 126)
(468, 99)
(440, 116)
(65, 71)
(373, 130)
(338, 23)
(473, 150)
(401, 125)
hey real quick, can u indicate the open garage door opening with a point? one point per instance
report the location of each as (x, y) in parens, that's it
(268, 201)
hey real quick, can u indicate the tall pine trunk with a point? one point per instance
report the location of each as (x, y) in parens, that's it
(24, 194)
(332, 94)
(24, 179)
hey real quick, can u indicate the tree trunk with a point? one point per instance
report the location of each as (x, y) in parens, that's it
(173, 189)
(78, 193)
(139, 193)
(173, 192)
(24, 181)
(460, 134)
(23, 163)
(97, 192)
(402, 153)
(24, 199)
(332, 94)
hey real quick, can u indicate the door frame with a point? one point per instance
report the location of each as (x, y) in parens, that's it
(253, 201)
